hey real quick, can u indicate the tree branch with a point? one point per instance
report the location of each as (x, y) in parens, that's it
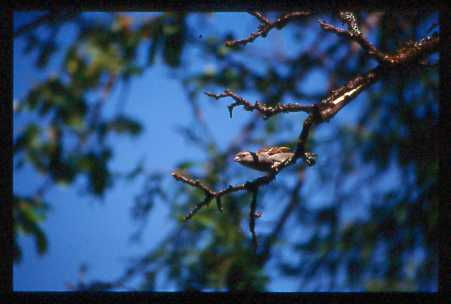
(263, 19)
(266, 26)
(412, 50)
(211, 194)
(354, 34)
(266, 111)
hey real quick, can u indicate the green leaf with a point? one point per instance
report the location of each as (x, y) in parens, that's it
(99, 175)
(17, 251)
(44, 55)
(174, 41)
(155, 43)
(185, 165)
(40, 241)
(124, 124)
(96, 167)
(27, 213)
(204, 219)
(27, 138)
(132, 70)
(31, 43)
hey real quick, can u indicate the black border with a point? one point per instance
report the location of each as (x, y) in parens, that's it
(6, 15)
(6, 219)
(444, 156)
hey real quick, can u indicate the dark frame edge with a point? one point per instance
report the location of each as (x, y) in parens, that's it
(6, 222)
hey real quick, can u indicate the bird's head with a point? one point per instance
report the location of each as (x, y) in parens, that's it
(244, 157)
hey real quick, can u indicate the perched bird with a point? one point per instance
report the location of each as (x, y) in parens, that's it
(266, 159)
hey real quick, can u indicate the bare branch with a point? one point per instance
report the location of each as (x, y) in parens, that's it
(303, 136)
(412, 51)
(211, 194)
(193, 182)
(193, 211)
(266, 26)
(356, 36)
(266, 111)
(261, 17)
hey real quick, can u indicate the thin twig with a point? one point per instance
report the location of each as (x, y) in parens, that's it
(370, 49)
(266, 111)
(263, 19)
(266, 26)
(211, 194)
(402, 56)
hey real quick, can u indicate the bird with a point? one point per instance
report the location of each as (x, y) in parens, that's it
(266, 159)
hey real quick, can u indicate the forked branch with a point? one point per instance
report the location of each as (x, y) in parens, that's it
(210, 194)
(266, 26)
(412, 50)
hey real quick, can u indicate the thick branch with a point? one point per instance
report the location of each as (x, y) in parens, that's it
(266, 26)
(303, 136)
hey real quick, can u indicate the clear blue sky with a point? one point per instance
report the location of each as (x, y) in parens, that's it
(81, 229)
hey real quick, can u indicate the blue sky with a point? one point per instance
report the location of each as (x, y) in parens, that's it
(99, 230)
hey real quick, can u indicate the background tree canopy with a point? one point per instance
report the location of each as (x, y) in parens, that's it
(364, 217)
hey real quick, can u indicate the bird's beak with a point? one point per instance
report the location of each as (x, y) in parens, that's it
(236, 158)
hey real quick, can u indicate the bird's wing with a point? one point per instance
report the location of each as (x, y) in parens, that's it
(265, 149)
(277, 150)
(274, 150)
